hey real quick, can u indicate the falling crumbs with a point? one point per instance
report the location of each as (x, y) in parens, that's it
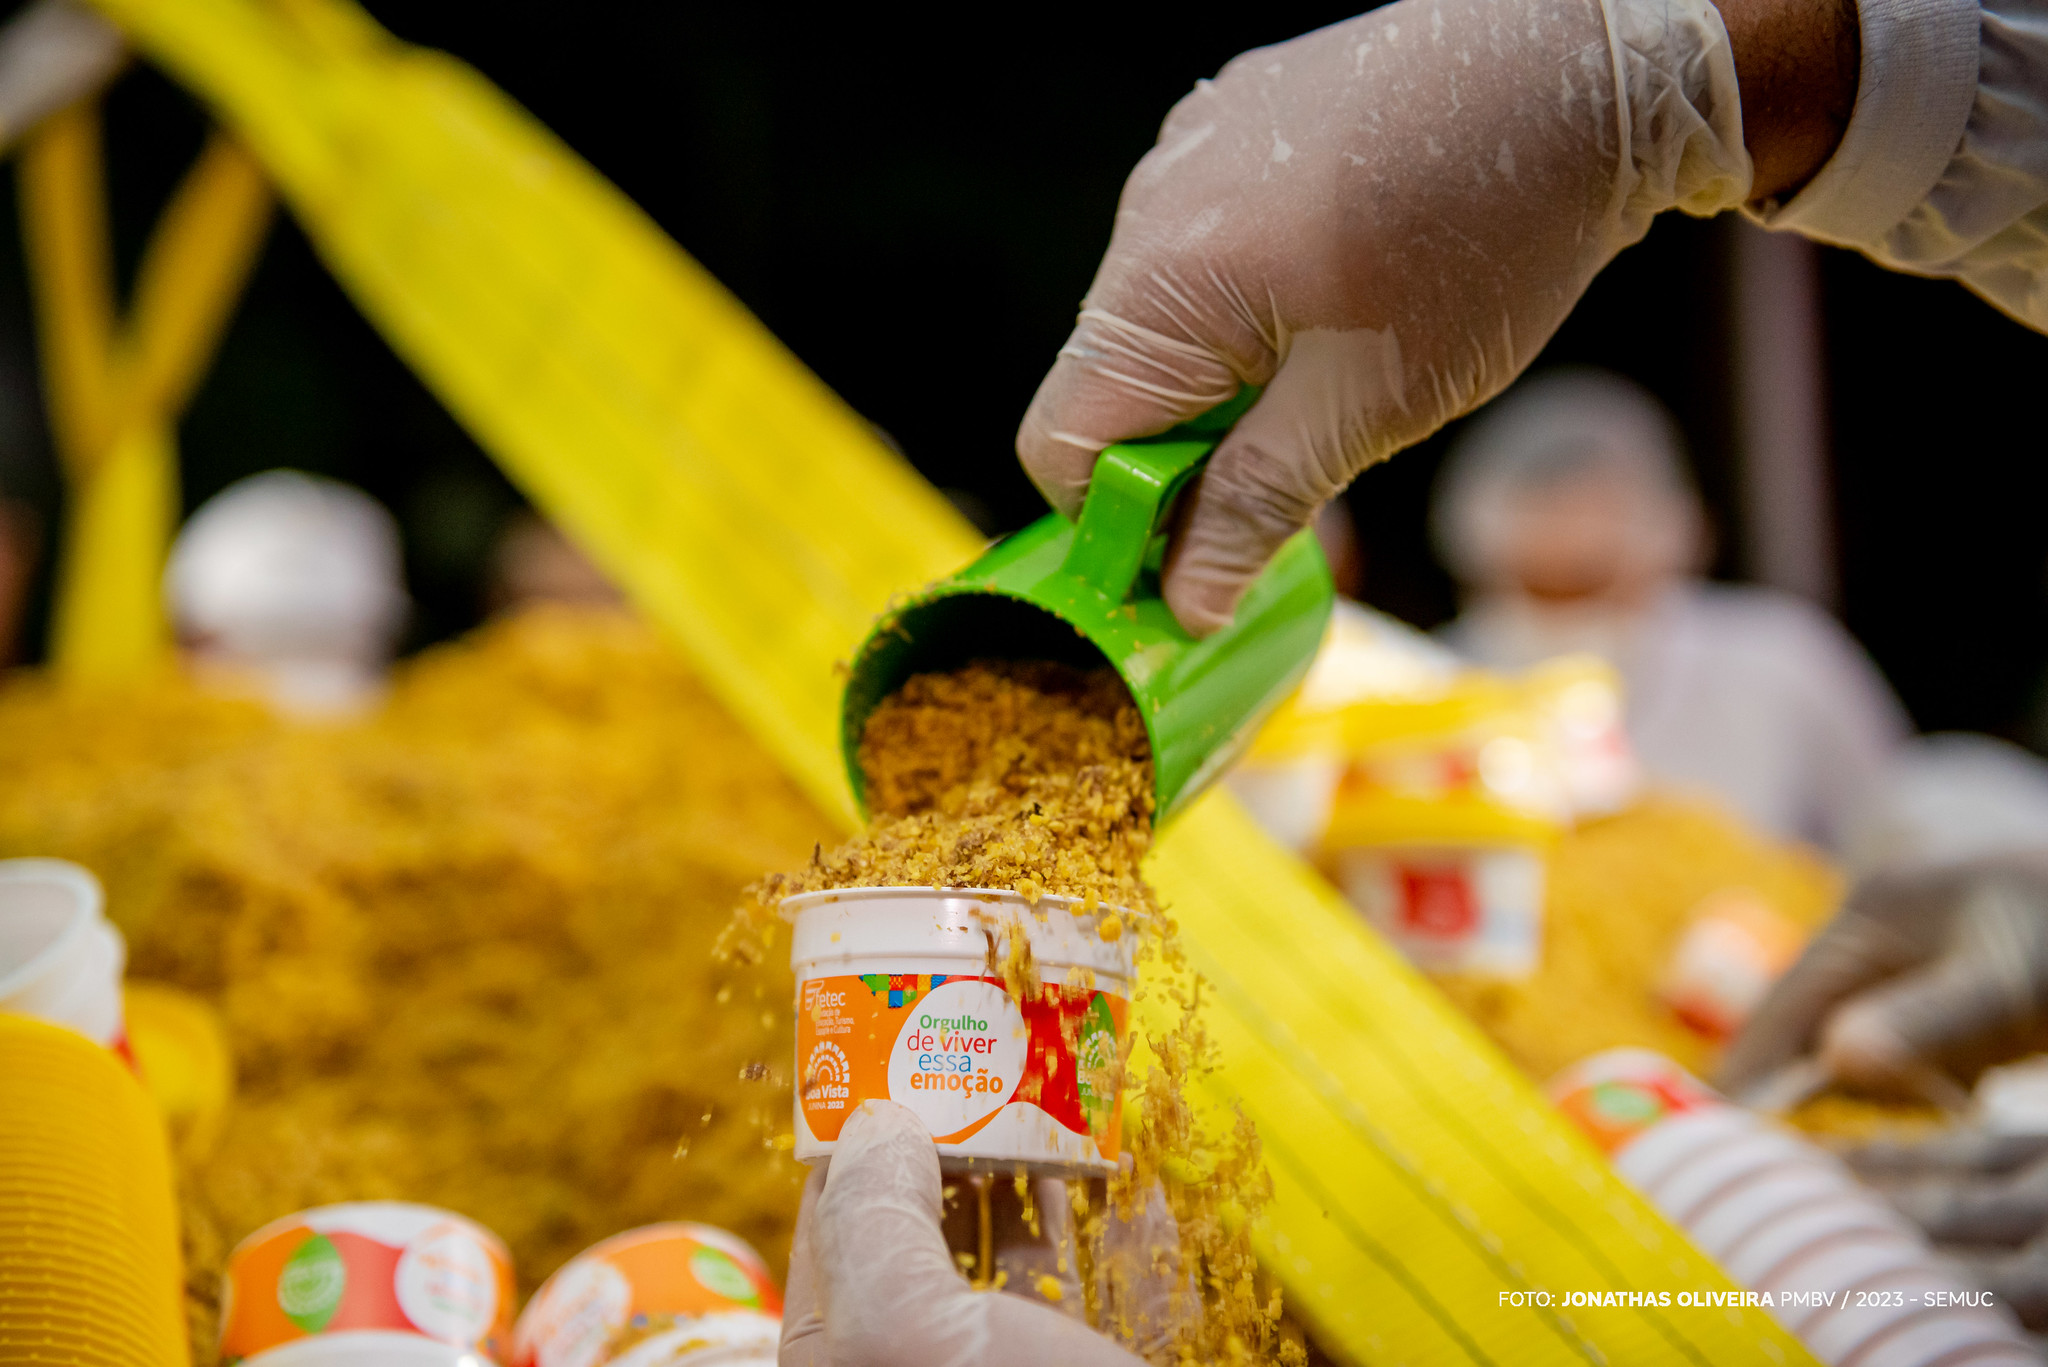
(1037, 778)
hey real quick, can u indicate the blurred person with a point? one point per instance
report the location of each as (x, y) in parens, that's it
(291, 584)
(20, 543)
(1567, 516)
(533, 562)
(1939, 958)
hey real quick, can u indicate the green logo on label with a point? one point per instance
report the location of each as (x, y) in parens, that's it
(1095, 1055)
(1621, 1101)
(309, 1289)
(721, 1274)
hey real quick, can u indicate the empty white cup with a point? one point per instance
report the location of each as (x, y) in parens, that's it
(60, 959)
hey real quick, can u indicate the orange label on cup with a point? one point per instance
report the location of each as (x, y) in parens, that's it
(693, 1282)
(369, 1265)
(1617, 1095)
(960, 1051)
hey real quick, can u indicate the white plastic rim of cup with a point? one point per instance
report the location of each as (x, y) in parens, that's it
(60, 959)
(1691, 1191)
(668, 1351)
(718, 1341)
(1746, 1212)
(1752, 1255)
(368, 1348)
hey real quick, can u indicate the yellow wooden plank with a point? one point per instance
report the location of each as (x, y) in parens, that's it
(108, 624)
(64, 229)
(114, 395)
(192, 272)
(761, 522)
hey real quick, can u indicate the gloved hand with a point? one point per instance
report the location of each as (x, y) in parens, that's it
(1921, 972)
(872, 1283)
(1381, 222)
(1982, 1198)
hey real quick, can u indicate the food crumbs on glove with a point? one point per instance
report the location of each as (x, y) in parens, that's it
(1037, 777)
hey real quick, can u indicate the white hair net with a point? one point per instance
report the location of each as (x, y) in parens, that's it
(1556, 429)
(285, 564)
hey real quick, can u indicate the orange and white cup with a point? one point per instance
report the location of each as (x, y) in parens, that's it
(901, 997)
(1736, 946)
(659, 1296)
(366, 1284)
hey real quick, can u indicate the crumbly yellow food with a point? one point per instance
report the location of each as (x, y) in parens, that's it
(1622, 891)
(1022, 775)
(462, 947)
(1038, 778)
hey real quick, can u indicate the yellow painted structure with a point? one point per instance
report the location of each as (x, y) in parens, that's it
(760, 521)
(114, 389)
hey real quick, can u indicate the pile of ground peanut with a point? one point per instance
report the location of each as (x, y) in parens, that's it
(1037, 777)
(461, 947)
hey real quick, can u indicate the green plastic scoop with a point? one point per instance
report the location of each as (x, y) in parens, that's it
(1088, 593)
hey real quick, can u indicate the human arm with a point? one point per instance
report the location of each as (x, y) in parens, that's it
(1383, 221)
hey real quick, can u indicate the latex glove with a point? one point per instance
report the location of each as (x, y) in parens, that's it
(872, 1283)
(1982, 1198)
(1940, 969)
(1382, 222)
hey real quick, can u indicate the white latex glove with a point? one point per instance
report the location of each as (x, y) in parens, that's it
(1943, 969)
(872, 1284)
(1982, 1198)
(1382, 222)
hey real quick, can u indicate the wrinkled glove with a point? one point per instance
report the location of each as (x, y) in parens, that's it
(1982, 1198)
(1382, 222)
(872, 1283)
(1922, 975)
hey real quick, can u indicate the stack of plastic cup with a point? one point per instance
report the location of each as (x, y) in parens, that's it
(60, 959)
(1854, 1280)
(368, 1284)
(659, 1296)
(90, 1274)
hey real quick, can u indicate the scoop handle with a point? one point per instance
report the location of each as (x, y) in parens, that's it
(1132, 490)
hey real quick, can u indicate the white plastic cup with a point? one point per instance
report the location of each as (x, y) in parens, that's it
(901, 997)
(60, 958)
(1781, 1216)
(1774, 1198)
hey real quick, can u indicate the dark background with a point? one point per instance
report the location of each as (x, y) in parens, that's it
(916, 206)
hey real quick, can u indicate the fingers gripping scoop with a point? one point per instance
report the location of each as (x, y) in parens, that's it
(1088, 593)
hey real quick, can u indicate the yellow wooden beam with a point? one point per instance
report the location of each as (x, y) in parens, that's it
(114, 394)
(71, 269)
(198, 259)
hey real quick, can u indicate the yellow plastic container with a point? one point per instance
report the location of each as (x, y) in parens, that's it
(89, 1267)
